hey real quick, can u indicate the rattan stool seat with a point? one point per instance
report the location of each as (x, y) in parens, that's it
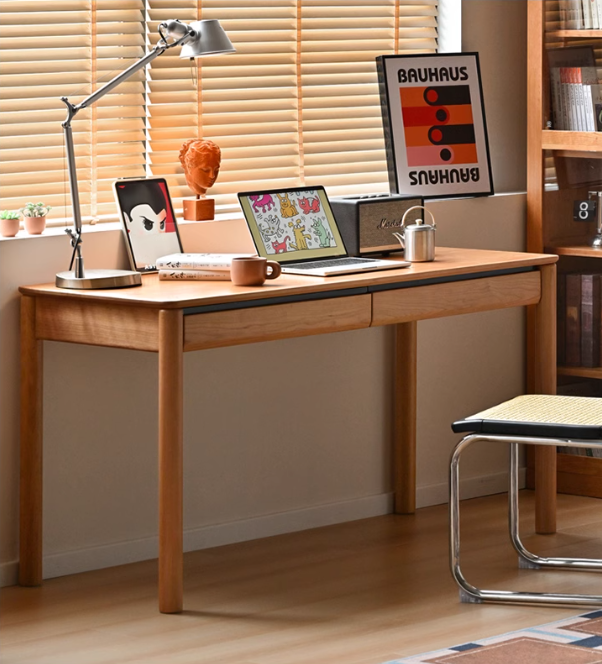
(545, 415)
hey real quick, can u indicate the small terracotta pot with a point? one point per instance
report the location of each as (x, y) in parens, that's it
(34, 225)
(9, 227)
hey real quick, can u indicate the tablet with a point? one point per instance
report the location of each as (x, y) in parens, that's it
(148, 219)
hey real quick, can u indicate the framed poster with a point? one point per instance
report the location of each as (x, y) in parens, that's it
(149, 222)
(434, 125)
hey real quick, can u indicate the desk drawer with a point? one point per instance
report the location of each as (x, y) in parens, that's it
(277, 321)
(456, 297)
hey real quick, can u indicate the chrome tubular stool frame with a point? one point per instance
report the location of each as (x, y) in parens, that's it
(470, 593)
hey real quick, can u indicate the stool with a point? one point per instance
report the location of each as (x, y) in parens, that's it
(533, 420)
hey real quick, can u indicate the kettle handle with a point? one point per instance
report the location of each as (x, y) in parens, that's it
(416, 207)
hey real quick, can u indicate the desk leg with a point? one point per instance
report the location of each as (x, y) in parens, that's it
(404, 431)
(171, 558)
(542, 373)
(31, 504)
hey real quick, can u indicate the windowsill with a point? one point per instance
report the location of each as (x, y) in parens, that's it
(54, 231)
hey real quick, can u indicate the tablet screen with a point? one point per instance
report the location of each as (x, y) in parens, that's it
(148, 220)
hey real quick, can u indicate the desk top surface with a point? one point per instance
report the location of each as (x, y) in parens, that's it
(179, 294)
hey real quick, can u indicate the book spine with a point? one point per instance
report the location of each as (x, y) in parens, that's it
(556, 99)
(193, 275)
(387, 127)
(590, 320)
(576, 15)
(595, 17)
(562, 9)
(217, 266)
(561, 319)
(597, 106)
(589, 78)
(573, 320)
(572, 100)
(578, 97)
(587, 14)
(599, 9)
(567, 99)
(589, 108)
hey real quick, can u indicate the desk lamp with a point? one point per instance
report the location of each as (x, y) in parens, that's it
(200, 38)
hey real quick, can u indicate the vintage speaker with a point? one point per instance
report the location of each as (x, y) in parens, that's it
(367, 222)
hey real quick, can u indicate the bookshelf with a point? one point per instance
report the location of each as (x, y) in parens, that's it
(562, 167)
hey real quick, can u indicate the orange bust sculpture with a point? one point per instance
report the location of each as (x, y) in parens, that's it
(201, 160)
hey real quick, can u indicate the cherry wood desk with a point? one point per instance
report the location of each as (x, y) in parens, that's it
(171, 318)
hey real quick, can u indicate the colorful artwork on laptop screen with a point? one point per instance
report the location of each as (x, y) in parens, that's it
(291, 222)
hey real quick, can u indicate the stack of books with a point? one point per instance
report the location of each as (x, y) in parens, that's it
(576, 98)
(580, 320)
(197, 267)
(580, 14)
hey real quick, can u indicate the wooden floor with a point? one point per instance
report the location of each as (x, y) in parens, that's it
(357, 593)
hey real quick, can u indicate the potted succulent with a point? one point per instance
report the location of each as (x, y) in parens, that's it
(9, 223)
(34, 217)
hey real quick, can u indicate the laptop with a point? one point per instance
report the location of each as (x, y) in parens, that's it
(297, 228)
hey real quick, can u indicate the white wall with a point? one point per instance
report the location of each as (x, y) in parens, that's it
(257, 461)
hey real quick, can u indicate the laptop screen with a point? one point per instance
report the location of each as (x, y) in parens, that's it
(292, 224)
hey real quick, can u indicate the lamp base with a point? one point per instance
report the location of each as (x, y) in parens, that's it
(99, 279)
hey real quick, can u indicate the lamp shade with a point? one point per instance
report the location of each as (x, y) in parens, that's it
(210, 39)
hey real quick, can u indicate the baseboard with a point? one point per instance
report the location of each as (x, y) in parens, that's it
(74, 562)
(121, 553)
(9, 573)
(474, 487)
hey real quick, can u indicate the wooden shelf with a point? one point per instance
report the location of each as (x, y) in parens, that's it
(576, 34)
(583, 251)
(581, 372)
(576, 141)
(549, 210)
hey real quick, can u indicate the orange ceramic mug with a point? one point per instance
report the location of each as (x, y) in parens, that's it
(253, 270)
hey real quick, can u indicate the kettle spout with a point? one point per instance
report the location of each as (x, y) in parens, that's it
(400, 238)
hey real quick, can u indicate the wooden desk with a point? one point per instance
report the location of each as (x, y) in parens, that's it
(171, 318)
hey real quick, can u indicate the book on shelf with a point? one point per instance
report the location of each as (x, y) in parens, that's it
(558, 115)
(194, 275)
(573, 15)
(586, 13)
(586, 79)
(212, 262)
(579, 323)
(572, 313)
(596, 96)
(590, 320)
(561, 319)
(595, 14)
(574, 93)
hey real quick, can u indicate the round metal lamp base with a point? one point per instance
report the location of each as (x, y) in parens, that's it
(99, 279)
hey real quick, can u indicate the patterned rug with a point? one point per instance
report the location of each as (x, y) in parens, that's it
(576, 640)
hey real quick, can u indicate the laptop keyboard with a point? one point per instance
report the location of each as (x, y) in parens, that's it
(333, 262)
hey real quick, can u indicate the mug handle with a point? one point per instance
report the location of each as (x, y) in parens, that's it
(275, 272)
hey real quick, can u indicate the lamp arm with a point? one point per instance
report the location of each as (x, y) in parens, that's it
(73, 109)
(125, 74)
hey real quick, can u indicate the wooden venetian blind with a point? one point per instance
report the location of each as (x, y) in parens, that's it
(55, 48)
(296, 104)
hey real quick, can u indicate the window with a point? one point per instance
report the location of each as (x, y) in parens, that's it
(297, 103)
